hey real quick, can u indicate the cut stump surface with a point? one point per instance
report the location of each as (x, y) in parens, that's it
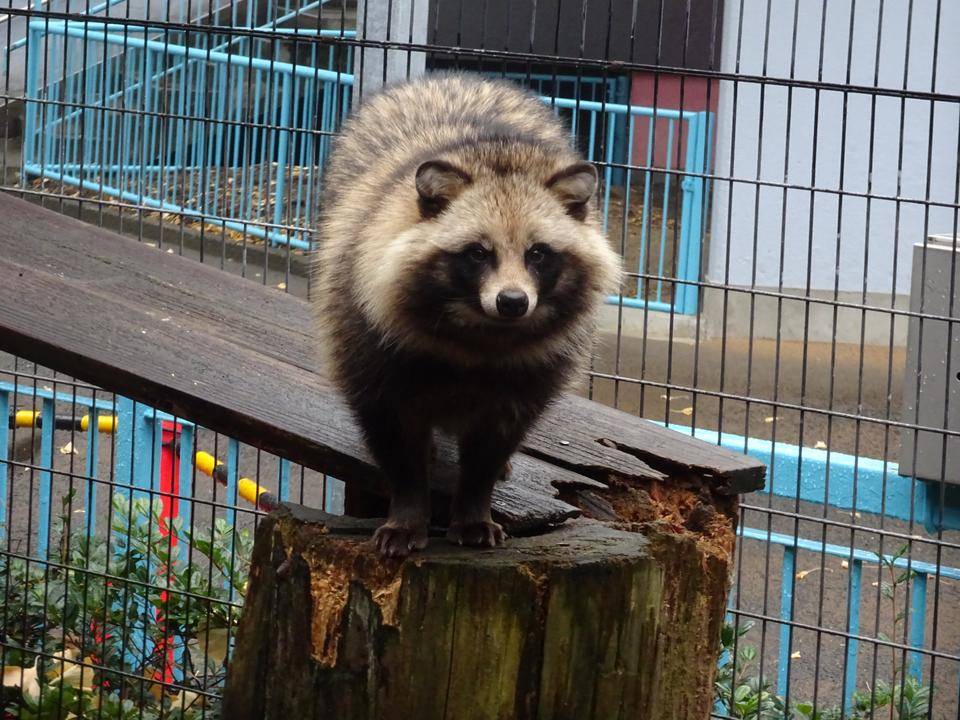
(594, 620)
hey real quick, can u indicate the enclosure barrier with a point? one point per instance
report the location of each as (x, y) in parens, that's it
(245, 147)
(98, 96)
(141, 431)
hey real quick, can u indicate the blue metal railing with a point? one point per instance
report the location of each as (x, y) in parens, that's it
(223, 132)
(860, 485)
(672, 285)
(193, 130)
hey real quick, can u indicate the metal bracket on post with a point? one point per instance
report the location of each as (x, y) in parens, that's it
(931, 378)
(399, 21)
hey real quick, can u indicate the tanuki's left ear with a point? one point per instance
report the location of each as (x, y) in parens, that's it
(574, 186)
(438, 183)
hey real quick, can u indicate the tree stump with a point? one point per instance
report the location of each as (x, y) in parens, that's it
(604, 619)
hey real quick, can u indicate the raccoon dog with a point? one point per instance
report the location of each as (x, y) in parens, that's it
(460, 272)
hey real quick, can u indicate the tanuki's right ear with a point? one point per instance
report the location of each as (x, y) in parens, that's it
(439, 182)
(574, 186)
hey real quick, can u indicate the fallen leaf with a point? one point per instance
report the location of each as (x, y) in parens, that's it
(24, 678)
(803, 573)
(184, 700)
(214, 644)
(687, 411)
(79, 676)
(795, 655)
(820, 445)
(64, 656)
(154, 688)
(770, 419)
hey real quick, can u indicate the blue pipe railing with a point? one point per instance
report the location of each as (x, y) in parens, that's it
(208, 160)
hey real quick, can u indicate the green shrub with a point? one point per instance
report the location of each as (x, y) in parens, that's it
(92, 632)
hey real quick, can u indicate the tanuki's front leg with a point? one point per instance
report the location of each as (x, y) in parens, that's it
(401, 447)
(484, 458)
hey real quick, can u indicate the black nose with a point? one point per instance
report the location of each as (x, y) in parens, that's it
(512, 303)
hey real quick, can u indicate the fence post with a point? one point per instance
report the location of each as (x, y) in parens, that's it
(853, 628)
(91, 467)
(918, 618)
(400, 21)
(691, 217)
(45, 476)
(786, 614)
(283, 144)
(32, 93)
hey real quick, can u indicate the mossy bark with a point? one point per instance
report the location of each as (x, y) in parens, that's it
(592, 620)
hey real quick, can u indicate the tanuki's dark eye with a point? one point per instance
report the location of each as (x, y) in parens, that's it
(477, 253)
(538, 254)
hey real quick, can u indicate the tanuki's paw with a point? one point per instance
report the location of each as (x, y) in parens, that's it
(396, 540)
(476, 534)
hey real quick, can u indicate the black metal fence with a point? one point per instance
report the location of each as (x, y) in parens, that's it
(782, 180)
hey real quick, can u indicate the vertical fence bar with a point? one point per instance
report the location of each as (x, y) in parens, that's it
(148, 132)
(91, 467)
(283, 480)
(186, 478)
(130, 102)
(4, 440)
(195, 165)
(918, 619)
(282, 146)
(691, 216)
(105, 139)
(233, 473)
(787, 575)
(32, 93)
(45, 476)
(219, 128)
(642, 283)
(89, 121)
(608, 169)
(665, 213)
(853, 627)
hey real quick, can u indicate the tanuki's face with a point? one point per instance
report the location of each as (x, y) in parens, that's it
(500, 255)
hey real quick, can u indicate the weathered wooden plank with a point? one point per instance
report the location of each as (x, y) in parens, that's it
(598, 441)
(175, 365)
(223, 351)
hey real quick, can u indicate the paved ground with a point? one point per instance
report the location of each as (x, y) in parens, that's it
(784, 374)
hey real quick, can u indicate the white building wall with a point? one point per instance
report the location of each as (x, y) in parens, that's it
(822, 241)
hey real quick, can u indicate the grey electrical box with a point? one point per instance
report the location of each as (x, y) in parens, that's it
(934, 395)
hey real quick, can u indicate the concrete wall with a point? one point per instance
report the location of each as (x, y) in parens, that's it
(816, 244)
(400, 21)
